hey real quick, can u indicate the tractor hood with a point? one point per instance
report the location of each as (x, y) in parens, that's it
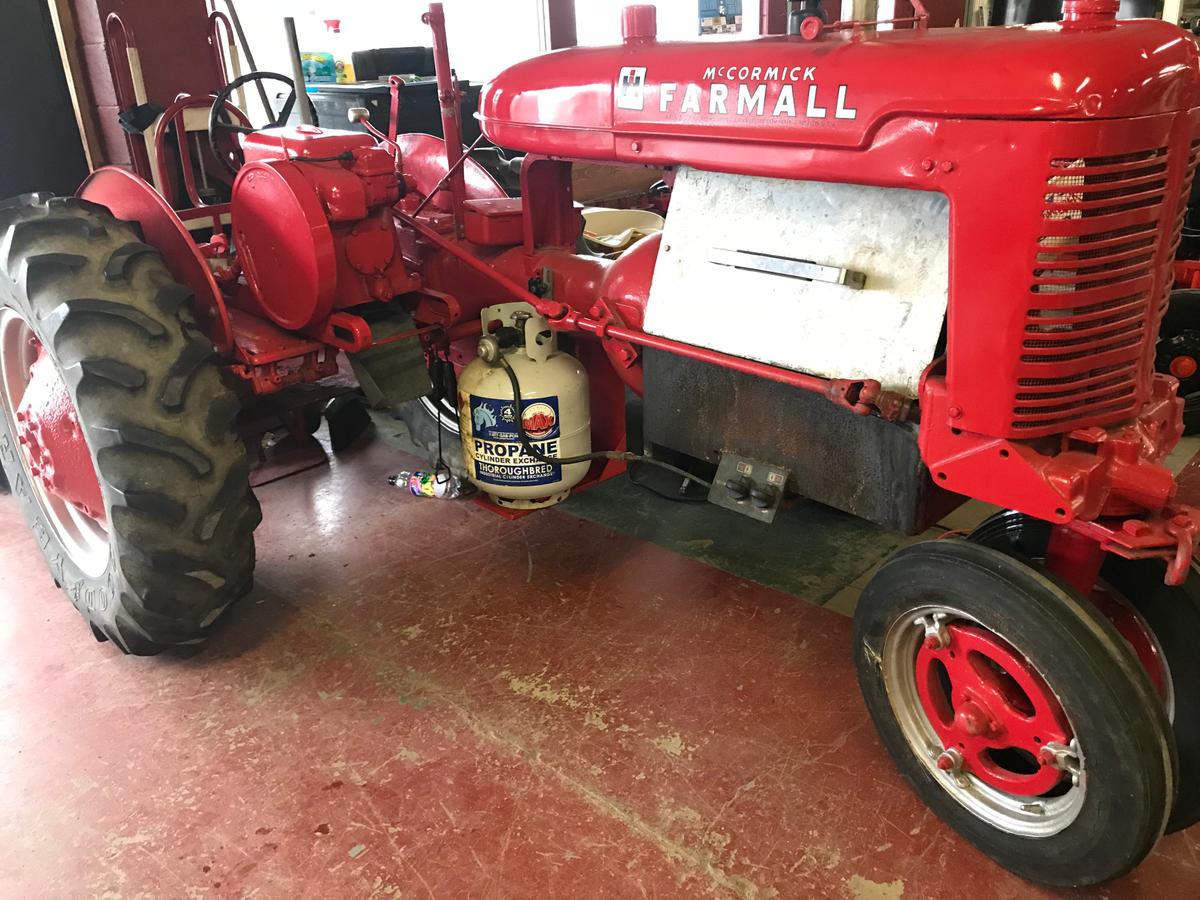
(835, 91)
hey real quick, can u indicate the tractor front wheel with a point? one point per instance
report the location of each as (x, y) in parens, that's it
(1016, 711)
(116, 431)
(1160, 623)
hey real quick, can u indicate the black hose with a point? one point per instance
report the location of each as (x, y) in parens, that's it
(620, 455)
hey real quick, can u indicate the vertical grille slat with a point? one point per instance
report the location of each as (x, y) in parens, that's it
(1093, 287)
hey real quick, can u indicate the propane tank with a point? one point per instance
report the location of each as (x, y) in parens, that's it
(554, 400)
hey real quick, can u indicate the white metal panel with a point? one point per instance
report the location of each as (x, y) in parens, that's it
(887, 330)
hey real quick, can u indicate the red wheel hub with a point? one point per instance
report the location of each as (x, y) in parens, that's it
(49, 430)
(1183, 367)
(985, 701)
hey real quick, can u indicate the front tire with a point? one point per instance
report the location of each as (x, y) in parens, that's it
(1161, 624)
(1031, 730)
(174, 545)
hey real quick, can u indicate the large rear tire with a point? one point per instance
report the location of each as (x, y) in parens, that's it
(1016, 711)
(174, 547)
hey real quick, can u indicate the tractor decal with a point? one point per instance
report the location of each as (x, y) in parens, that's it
(768, 91)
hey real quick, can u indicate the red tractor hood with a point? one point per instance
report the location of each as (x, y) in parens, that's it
(836, 91)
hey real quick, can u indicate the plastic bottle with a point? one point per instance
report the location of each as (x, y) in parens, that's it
(342, 58)
(443, 486)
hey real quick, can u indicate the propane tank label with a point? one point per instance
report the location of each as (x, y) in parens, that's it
(499, 457)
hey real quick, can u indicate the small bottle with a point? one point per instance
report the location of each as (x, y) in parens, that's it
(443, 486)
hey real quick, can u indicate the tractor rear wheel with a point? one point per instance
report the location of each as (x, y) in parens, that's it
(117, 433)
(1016, 711)
(432, 420)
(1160, 623)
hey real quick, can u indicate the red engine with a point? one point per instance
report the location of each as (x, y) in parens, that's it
(313, 227)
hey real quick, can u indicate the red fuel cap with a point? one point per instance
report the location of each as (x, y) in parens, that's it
(639, 23)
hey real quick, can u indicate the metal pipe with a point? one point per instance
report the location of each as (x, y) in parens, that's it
(449, 174)
(547, 308)
(241, 36)
(830, 389)
(450, 100)
(305, 110)
(855, 394)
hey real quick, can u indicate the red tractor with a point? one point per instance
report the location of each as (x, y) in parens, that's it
(900, 268)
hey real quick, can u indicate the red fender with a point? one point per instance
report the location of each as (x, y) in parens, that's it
(131, 199)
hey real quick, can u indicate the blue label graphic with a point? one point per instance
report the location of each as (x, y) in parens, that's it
(499, 457)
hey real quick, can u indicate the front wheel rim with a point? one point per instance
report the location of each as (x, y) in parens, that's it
(84, 539)
(1027, 808)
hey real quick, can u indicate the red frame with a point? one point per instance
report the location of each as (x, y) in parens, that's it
(991, 153)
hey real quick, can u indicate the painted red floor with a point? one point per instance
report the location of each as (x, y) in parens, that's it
(420, 699)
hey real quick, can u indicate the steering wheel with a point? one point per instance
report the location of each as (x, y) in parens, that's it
(219, 119)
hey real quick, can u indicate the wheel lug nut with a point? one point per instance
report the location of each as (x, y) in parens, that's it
(949, 760)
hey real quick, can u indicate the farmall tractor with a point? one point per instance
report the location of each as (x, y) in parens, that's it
(900, 268)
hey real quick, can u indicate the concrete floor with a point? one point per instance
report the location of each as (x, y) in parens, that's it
(421, 699)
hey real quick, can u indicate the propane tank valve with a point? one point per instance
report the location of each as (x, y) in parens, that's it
(488, 349)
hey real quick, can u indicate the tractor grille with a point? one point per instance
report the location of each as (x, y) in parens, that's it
(1096, 297)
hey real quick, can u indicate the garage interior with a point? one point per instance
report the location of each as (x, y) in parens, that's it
(651, 687)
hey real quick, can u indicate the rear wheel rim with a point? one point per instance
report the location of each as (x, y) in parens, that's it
(85, 539)
(1050, 796)
(441, 411)
(441, 404)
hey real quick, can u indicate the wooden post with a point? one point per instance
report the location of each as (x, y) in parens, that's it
(68, 48)
(560, 15)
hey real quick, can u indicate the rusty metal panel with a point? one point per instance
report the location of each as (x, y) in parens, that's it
(859, 464)
(837, 280)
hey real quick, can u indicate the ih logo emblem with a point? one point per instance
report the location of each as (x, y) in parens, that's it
(631, 87)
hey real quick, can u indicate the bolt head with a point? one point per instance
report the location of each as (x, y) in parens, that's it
(1135, 527)
(946, 165)
(955, 412)
(928, 164)
(932, 643)
(947, 761)
(974, 721)
(1181, 520)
